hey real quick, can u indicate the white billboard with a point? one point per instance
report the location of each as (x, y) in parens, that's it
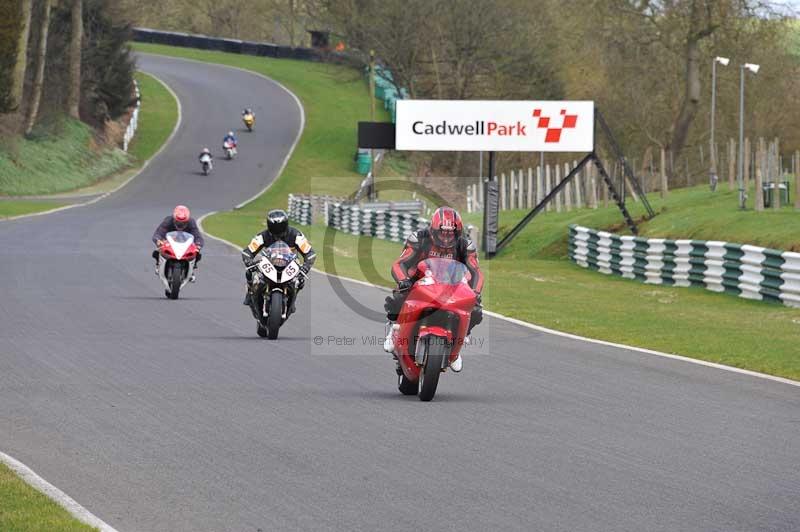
(481, 125)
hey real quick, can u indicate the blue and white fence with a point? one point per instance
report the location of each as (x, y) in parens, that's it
(750, 272)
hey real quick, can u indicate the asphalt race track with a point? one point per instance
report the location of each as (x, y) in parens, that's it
(161, 415)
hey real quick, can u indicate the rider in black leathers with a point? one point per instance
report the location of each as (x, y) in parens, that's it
(278, 229)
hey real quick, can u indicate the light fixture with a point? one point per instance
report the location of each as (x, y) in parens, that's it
(722, 60)
(752, 67)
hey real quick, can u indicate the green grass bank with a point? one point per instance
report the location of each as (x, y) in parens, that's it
(65, 160)
(24, 509)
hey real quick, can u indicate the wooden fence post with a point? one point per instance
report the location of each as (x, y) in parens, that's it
(567, 189)
(797, 180)
(529, 191)
(578, 182)
(746, 177)
(539, 192)
(775, 166)
(556, 179)
(503, 197)
(664, 185)
(760, 159)
(512, 182)
(547, 185)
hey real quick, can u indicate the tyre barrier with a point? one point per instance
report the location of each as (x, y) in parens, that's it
(304, 209)
(378, 223)
(747, 271)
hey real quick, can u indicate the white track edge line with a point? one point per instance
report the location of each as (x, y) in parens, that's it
(59, 497)
(280, 85)
(127, 181)
(539, 328)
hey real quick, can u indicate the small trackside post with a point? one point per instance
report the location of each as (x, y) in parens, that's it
(490, 210)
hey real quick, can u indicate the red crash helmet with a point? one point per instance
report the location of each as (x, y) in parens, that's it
(446, 227)
(181, 216)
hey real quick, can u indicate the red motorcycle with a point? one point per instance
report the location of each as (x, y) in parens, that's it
(432, 325)
(176, 265)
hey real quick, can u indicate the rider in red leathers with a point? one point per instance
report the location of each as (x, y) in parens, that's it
(444, 238)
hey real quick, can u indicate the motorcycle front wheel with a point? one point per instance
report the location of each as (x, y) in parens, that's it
(274, 319)
(437, 349)
(175, 278)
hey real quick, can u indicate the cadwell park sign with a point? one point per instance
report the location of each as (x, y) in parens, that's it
(476, 125)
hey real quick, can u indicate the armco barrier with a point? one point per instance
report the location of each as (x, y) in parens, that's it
(235, 46)
(133, 123)
(748, 271)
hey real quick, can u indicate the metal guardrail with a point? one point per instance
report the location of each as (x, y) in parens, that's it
(133, 123)
(750, 272)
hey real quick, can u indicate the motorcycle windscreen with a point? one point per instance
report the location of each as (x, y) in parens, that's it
(280, 254)
(446, 271)
(180, 242)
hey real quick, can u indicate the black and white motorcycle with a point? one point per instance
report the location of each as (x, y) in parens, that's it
(178, 254)
(205, 162)
(275, 282)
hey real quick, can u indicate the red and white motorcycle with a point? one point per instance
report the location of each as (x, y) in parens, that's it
(230, 149)
(178, 254)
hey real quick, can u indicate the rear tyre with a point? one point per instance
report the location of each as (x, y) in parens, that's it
(274, 320)
(175, 278)
(406, 386)
(437, 349)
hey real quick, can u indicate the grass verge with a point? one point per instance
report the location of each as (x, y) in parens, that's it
(67, 165)
(10, 208)
(24, 509)
(531, 280)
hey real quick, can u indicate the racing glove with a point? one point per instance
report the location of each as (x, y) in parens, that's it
(404, 285)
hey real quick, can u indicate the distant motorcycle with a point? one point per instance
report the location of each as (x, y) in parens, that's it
(205, 162)
(178, 254)
(274, 287)
(249, 121)
(230, 149)
(432, 325)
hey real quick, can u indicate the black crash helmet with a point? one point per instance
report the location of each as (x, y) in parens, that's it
(277, 223)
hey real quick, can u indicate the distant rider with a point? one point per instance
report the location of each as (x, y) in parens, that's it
(181, 220)
(247, 112)
(278, 229)
(232, 138)
(445, 239)
(203, 153)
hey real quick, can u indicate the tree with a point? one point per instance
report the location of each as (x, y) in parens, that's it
(75, 43)
(20, 66)
(41, 61)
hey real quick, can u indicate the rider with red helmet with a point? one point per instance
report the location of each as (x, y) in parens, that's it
(444, 238)
(181, 220)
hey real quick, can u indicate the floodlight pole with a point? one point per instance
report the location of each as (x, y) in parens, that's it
(713, 153)
(373, 195)
(754, 69)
